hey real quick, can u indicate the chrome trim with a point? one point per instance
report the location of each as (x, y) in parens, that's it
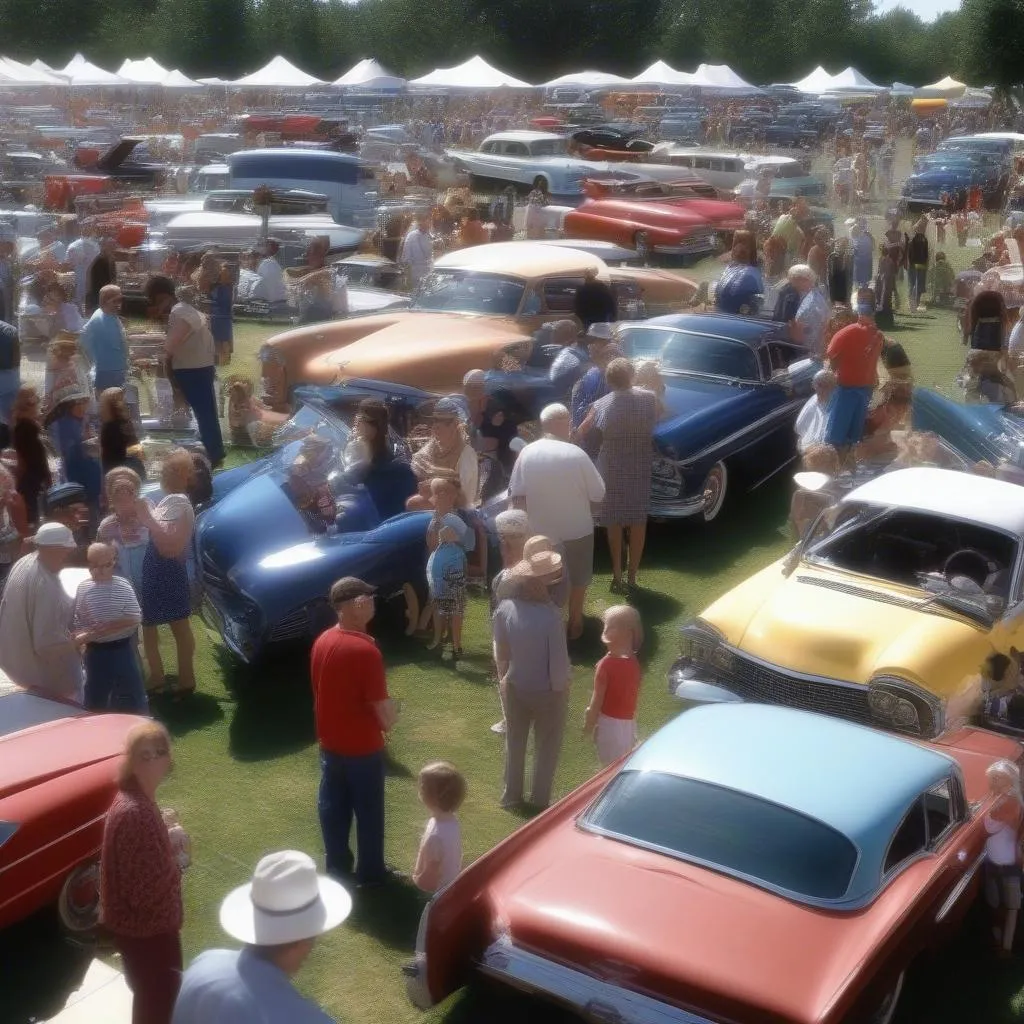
(54, 842)
(779, 413)
(959, 889)
(600, 1002)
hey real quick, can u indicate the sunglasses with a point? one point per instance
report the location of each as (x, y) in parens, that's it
(155, 754)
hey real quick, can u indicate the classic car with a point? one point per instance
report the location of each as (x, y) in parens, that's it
(794, 131)
(116, 162)
(892, 601)
(788, 177)
(687, 884)
(734, 386)
(949, 172)
(213, 227)
(58, 768)
(467, 312)
(976, 432)
(614, 137)
(535, 159)
(268, 550)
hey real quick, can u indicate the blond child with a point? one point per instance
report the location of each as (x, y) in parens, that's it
(1002, 851)
(439, 859)
(611, 715)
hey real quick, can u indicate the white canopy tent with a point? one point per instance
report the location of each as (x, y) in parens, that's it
(82, 74)
(143, 72)
(851, 80)
(944, 89)
(722, 79)
(14, 74)
(370, 75)
(176, 80)
(280, 73)
(588, 80)
(213, 81)
(475, 73)
(900, 89)
(662, 74)
(816, 83)
(38, 65)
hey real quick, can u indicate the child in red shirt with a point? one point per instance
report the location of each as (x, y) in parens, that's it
(611, 716)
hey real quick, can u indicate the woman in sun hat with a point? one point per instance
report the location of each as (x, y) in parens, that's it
(277, 917)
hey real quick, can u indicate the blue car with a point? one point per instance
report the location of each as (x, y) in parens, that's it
(733, 388)
(974, 432)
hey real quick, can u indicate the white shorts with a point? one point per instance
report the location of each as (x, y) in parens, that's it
(614, 737)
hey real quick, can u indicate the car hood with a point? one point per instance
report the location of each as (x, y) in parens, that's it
(678, 932)
(690, 403)
(422, 349)
(31, 757)
(839, 625)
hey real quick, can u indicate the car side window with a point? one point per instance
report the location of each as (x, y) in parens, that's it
(774, 357)
(560, 294)
(702, 163)
(910, 839)
(683, 161)
(717, 165)
(531, 304)
(940, 811)
(516, 149)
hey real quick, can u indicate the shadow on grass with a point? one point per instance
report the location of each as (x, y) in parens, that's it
(481, 1003)
(39, 969)
(181, 716)
(391, 914)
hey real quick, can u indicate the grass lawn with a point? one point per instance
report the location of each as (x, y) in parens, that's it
(246, 769)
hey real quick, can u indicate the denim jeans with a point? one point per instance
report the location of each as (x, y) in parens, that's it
(113, 678)
(917, 283)
(109, 379)
(353, 787)
(197, 387)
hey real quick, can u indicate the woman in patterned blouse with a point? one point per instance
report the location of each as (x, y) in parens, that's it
(140, 879)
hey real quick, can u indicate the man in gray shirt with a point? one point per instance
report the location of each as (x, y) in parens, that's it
(534, 672)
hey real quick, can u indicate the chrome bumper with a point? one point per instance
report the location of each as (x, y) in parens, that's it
(594, 1000)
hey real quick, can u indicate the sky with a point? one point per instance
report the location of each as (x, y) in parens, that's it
(927, 10)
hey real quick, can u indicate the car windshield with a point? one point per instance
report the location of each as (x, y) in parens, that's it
(686, 352)
(549, 147)
(726, 829)
(467, 291)
(959, 565)
(22, 710)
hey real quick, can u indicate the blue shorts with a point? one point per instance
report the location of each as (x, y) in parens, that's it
(847, 411)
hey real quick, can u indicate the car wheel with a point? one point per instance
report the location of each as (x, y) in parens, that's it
(79, 902)
(884, 1011)
(642, 244)
(715, 488)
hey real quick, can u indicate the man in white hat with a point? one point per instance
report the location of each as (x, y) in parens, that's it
(278, 917)
(37, 647)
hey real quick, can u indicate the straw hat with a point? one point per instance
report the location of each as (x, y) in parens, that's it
(539, 565)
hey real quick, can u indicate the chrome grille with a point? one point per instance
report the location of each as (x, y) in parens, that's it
(294, 626)
(760, 683)
(881, 596)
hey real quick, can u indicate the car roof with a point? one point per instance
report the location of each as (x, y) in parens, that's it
(523, 259)
(524, 136)
(746, 329)
(857, 780)
(946, 492)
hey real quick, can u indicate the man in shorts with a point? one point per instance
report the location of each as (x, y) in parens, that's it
(853, 357)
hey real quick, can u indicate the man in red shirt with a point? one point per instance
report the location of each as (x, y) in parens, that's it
(853, 356)
(353, 712)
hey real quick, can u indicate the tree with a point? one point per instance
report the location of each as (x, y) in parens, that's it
(993, 47)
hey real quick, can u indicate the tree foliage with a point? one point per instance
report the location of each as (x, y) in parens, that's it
(764, 40)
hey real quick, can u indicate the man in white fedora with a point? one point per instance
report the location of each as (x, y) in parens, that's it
(37, 648)
(278, 917)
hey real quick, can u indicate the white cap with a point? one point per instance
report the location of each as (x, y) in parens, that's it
(286, 901)
(54, 535)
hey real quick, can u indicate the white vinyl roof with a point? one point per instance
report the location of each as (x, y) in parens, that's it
(475, 73)
(278, 73)
(974, 499)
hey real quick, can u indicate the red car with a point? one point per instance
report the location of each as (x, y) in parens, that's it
(654, 216)
(747, 864)
(58, 767)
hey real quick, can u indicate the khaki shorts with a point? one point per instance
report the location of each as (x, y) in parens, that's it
(579, 560)
(1002, 886)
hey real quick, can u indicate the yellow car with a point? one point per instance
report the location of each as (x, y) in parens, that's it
(881, 615)
(476, 305)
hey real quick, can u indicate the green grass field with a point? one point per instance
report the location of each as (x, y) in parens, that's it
(246, 770)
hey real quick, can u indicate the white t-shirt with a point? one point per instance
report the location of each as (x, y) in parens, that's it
(274, 287)
(559, 483)
(35, 627)
(811, 423)
(1001, 844)
(442, 842)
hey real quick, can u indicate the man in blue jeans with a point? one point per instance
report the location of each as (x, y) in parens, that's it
(353, 712)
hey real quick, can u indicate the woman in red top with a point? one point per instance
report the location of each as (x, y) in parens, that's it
(611, 715)
(140, 880)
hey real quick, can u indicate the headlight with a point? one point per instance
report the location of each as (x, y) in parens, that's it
(899, 704)
(698, 641)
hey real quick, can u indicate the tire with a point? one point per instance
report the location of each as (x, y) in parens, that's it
(717, 482)
(79, 901)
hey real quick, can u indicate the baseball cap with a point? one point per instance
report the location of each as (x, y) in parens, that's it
(348, 588)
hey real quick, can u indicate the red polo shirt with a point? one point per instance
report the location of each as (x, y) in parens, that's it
(347, 672)
(853, 354)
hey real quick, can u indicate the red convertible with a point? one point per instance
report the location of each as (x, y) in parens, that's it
(58, 767)
(666, 217)
(747, 864)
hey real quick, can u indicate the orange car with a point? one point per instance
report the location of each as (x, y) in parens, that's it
(474, 307)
